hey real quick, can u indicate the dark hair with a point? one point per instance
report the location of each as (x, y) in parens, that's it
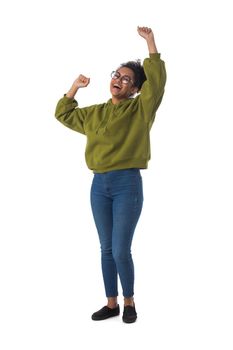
(138, 70)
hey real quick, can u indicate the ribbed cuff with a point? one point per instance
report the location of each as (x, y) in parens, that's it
(155, 56)
(67, 100)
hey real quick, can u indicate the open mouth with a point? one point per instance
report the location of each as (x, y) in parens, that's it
(116, 86)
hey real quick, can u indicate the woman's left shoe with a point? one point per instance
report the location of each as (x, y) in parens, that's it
(129, 314)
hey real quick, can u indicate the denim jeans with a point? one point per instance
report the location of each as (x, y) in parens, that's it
(116, 201)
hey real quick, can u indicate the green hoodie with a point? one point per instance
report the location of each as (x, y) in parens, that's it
(118, 135)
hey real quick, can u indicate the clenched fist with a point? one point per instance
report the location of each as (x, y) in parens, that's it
(81, 81)
(148, 35)
(145, 32)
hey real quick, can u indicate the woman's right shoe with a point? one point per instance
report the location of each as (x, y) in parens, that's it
(105, 312)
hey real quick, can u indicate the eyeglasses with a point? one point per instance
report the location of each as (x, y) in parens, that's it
(125, 79)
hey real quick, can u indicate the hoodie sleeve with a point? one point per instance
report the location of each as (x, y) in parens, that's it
(68, 113)
(153, 88)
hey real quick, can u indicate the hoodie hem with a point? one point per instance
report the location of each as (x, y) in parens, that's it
(120, 166)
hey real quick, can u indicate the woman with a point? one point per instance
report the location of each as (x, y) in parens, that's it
(118, 146)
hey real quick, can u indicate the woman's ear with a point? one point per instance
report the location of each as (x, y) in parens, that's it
(134, 90)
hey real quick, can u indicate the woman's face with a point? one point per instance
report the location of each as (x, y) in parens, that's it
(122, 84)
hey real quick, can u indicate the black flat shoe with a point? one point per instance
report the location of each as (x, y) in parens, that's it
(129, 314)
(105, 312)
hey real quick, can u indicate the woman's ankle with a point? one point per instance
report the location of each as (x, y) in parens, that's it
(112, 302)
(129, 301)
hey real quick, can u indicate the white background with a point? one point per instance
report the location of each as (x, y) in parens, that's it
(49, 251)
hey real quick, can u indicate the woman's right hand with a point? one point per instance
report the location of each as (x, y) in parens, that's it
(80, 82)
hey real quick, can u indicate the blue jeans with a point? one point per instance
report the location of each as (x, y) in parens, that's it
(116, 201)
